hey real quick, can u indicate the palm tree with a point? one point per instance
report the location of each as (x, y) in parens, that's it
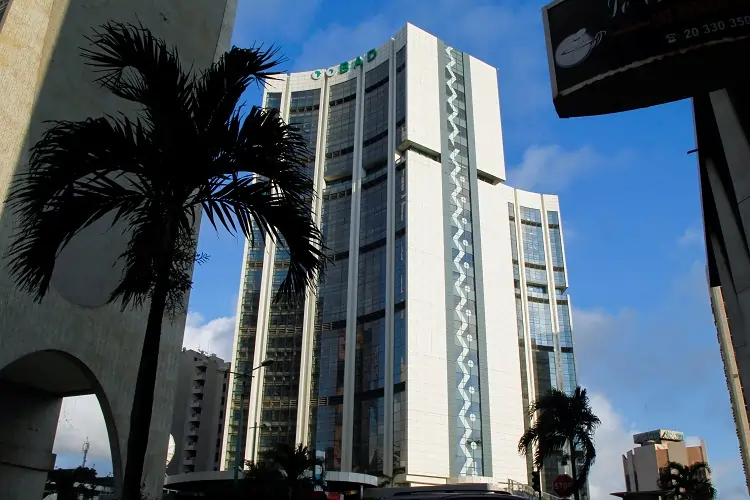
(297, 465)
(263, 480)
(190, 149)
(687, 482)
(562, 424)
(385, 480)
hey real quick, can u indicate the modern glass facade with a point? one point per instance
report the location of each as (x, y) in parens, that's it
(388, 368)
(546, 355)
(238, 404)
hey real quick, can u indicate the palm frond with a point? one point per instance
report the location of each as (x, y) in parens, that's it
(137, 66)
(70, 183)
(239, 203)
(275, 151)
(563, 425)
(588, 459)
(219, 88)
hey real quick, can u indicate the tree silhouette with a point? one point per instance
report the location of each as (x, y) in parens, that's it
(71, 484)
(191, 149)
(562, 425)
(687, 482)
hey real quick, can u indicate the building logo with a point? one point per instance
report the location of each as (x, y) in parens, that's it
(574, 49)
(345, 66)
(658, 435)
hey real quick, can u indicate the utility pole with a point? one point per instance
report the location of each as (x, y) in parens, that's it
(85, 450)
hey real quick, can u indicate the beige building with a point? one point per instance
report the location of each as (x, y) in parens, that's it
(198, 415)
(657, 448)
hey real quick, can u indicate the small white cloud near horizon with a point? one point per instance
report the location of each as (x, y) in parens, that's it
(692, 237)
(692, 440)
(612, 440)
(550, 169)
(214, 336)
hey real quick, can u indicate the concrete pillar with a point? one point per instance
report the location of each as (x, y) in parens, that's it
(28, 422)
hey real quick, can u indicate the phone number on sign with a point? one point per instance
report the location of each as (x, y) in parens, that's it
(710, 28)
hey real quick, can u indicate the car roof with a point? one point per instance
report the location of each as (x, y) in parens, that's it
(451, 495)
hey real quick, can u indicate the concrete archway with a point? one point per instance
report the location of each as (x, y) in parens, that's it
(96, 344)
(31, 391)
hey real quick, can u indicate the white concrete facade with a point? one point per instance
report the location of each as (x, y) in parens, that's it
(421, 428)
(428, 401)
(73, 343)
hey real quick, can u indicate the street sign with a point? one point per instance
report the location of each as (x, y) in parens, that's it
(607, 56)
(563, 485)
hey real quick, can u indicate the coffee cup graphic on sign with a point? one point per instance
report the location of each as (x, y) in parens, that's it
(574, 49)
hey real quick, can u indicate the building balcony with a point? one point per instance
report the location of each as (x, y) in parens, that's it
(189, 461)
(191, 445)
(200, 375)
(194, 417)
(197, 403)
(193, 431)
(197, 389)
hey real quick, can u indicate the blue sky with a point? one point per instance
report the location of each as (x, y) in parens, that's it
(644, 334)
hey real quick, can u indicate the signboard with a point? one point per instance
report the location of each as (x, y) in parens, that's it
(658, 435)
(345, 66)
(613, 55)
(563, 486)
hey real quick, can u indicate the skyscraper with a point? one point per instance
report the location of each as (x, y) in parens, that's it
(444, 310)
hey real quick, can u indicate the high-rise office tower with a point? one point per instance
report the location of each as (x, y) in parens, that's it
(198, 414)
(415, 354)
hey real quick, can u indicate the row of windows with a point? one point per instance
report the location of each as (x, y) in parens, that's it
(540, 317)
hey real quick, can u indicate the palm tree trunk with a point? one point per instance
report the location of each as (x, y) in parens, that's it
(574, 472)
(143, 397)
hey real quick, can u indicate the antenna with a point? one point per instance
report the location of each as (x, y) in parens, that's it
(85, 450)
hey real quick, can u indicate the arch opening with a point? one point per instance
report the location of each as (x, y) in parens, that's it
(32, 389)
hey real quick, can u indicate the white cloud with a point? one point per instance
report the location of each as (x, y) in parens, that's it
(613, 439)
(214, 336)
(693, 236)
(81, 418)
(338, 43)
(552, 169)
(692, 440)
